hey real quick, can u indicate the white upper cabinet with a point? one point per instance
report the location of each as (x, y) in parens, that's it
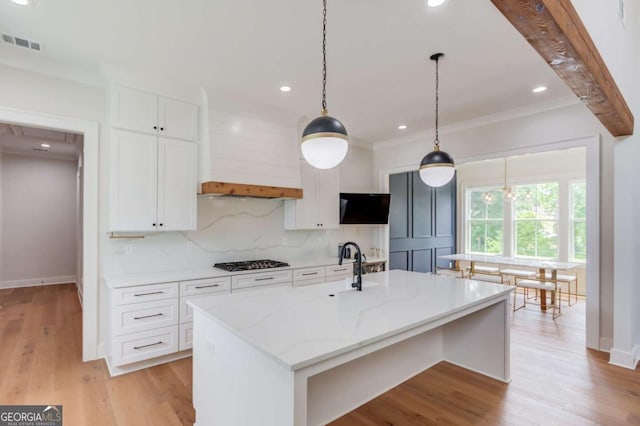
(177, 119)
(320, 206)
(140, 111)
(134, 110)
(153, 163)
(134, 181)
(177, 185)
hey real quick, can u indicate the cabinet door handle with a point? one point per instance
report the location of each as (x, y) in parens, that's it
(155, 127)
(207, 286)
(162, 129)
(263, 279)
(148, 294)
(148, 316)
(341, 269)
(146, 346)
(153, 224)
(309, 273)
(162, 224)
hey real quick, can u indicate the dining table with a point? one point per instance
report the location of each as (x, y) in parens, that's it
(544, 267)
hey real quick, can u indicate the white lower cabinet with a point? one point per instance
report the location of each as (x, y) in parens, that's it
(185, 340)
(144, 345)
(154, 320)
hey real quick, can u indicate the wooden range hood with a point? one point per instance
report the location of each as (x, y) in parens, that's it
(244, 190)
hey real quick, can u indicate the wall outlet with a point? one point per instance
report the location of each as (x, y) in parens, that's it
(128, 249)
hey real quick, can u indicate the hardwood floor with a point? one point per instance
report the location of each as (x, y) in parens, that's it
(555, 380)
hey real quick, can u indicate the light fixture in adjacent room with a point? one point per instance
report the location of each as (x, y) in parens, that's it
(45, 145)
(402, 127)
(324, 141)
(539, 89)
(435, 3)
(285, 89)
(22, 2)
(509, 195)
(437, 167)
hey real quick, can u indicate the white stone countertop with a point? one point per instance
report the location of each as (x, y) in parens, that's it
(144, 278)
(300, 326)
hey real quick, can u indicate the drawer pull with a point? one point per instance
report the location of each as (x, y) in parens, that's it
(148, 316)
(342, 269)
(309, 273)
(149, 294)
(263, 279)
(150, 344)
(207, 286)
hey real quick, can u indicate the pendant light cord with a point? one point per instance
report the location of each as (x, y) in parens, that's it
(437, 139)
(324, 58)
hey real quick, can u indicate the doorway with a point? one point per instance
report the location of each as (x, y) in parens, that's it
(90, 190)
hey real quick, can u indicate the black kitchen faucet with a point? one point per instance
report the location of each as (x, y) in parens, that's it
(358, 284)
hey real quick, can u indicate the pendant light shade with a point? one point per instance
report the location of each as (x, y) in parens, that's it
(437, 167)
(324, 141)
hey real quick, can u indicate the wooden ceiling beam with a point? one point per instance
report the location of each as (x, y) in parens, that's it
(557, 33)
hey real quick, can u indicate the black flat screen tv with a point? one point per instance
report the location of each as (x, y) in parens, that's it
(364, 209)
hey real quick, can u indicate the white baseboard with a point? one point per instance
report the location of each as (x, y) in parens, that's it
(79, 292)
(32, 282)
(118, 371)
(626, 359)
(605, 344)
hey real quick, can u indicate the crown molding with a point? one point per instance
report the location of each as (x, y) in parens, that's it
(485, 120)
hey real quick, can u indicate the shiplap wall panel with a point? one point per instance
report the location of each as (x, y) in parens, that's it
(253, 151)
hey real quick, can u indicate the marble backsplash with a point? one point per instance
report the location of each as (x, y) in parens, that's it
(231, 229)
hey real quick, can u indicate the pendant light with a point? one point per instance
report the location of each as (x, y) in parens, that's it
(324, 140)
(437, 167)
(509, 195)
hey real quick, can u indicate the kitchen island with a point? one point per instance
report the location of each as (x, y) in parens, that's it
(305, 356)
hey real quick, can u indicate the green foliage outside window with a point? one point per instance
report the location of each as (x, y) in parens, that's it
(579, 220)
(485, 219)
(536, 220)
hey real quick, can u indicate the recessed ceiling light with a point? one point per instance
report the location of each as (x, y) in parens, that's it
(539, 89)
(45, 145)
(285, 89)
(22, 2)
(435, 3)
(402, 127)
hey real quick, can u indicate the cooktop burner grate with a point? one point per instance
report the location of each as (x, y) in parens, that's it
(249, 265)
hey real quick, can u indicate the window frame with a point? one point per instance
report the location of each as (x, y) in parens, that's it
(514, 221)
(572, 221)
(468, 221)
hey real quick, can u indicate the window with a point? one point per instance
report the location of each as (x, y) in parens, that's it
(485, 217)
(536, 220)
(578, 222)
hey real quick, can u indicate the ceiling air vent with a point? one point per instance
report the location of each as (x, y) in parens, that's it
(22, 42)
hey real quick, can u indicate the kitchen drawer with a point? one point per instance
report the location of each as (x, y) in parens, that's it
(207, 285)
(308, 273)
(260, 278)
(185, 341)
(260, 287)
(144, 345)
(186, 313)
(338, 270)
(145, 293)
(301, 283)
(144, 316)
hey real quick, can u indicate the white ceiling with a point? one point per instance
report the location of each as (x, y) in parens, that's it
(379, 73)
(28, 141)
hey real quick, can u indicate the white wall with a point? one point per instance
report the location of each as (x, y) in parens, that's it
(525, 131)
(619, 45)
(39, 221)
